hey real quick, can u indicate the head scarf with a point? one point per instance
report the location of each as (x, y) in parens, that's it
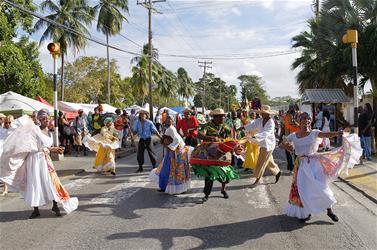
(43, 113)
(177, 139)
(108, 120)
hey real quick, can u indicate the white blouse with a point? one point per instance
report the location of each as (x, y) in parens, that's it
(307, 145)
(265, 136)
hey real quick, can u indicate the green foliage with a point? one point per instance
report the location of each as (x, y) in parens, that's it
(85, 82)
(251, 87)
(20, 70)
(325, 62)
(110, 17)
(217, 93)
(280, 101)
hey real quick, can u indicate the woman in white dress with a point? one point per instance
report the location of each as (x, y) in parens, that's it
(326, 128)
(28, 168)
(313, 172)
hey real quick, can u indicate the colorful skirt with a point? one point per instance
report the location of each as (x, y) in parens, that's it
(216, 173)
(310, 192)
(173, 173)
(251, 155)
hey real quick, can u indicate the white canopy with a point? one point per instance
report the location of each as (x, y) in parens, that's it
(73, 107)
(170, 111)
(16, 104)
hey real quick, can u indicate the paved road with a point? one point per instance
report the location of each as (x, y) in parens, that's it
(126, 212)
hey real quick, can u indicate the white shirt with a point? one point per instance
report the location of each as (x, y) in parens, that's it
(318, 120)
(265, 136)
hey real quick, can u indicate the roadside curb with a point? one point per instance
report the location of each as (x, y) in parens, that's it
(349, 183)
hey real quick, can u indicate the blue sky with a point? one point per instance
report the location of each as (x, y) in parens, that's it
(216, 29)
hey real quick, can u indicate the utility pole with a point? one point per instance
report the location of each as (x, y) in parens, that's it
(204, 65)
(149, 5)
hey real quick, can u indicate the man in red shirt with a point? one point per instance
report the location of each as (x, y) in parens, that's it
(119, 126)
(188, 128)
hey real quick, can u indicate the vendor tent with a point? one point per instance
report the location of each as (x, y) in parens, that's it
(16, 104)
(68, 115)
(73, 107)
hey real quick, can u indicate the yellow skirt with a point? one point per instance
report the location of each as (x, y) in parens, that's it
(105, 159)
(251, 155)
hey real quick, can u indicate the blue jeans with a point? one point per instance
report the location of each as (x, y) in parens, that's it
(366, 144)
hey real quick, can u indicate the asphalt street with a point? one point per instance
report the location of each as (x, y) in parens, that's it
(127, 212)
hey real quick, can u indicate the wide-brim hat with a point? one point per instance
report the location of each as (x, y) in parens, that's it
(187, 110)
(265, 109)
(216, 112)
(143, 111)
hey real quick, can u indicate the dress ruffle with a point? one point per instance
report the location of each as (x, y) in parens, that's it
(216, 173)
(292, 210)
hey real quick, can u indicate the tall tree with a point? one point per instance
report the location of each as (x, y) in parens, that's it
(110, 21)
(20, 69)
(251, 87)
(74, 14)
(185, 84)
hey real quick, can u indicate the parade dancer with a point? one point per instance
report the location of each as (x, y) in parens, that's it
(214, 131)
(104, 144)
(27, 166)
(252, 147)
(189, 128)
(265, 137)
(173, 174)
(310, 192)
(144, 128)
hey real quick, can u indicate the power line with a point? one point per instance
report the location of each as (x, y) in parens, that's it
(66, 28)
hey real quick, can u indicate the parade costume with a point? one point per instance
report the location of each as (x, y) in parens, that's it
(265, 137)
(104, 144)
(212, 160)
(27, 167)
(251, 154)
(173, 173)
(310, 192)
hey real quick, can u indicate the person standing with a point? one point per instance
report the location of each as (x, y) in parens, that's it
(96, 122)
(365, 130)
(212, 133)
(144, 128)
(173, 174)
(318, 117)
(29, 169)
(81, 129)
(235, 124)
(252, 148)
(265, 137)
(4, 133)
(325, 127)
(104, 144)
(158, 120)
(2, 117)
(310, 191)
(119, 126)
(188, 127)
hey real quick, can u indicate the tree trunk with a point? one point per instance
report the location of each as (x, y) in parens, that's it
(108, 70)
(62, 78)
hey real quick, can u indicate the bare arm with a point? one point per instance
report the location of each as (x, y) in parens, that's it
(329, 134)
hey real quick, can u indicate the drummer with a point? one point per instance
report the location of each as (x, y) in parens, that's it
(214, 131)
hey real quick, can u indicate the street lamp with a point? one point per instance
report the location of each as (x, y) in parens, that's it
(351, 37)
(54, 49)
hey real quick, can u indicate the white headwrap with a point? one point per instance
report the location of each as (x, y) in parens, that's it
(177, 139)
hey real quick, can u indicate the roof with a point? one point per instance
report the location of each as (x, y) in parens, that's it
(324, 96)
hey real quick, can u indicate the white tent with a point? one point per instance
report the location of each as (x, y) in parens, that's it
(73, 107)
(16, 104)
(170, 111)
(146, 107)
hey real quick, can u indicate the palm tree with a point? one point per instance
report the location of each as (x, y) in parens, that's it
(110, 20)
(139, 80)
(167, 85)
(185, 84)
(74, 14)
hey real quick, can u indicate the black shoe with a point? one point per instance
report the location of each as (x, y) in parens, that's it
(161, 190)
(333, 216)
(225, 194)
(305, 219)
(56, 210)
(139, 170)
(277, 177)
(205, 198)
(113, 173)
(34, 215)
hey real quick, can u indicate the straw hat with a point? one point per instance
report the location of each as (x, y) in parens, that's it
(265, 109)
(187, 110)
(143, 111)
(217, 111)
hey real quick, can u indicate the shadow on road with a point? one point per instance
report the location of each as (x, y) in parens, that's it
(226, 235)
